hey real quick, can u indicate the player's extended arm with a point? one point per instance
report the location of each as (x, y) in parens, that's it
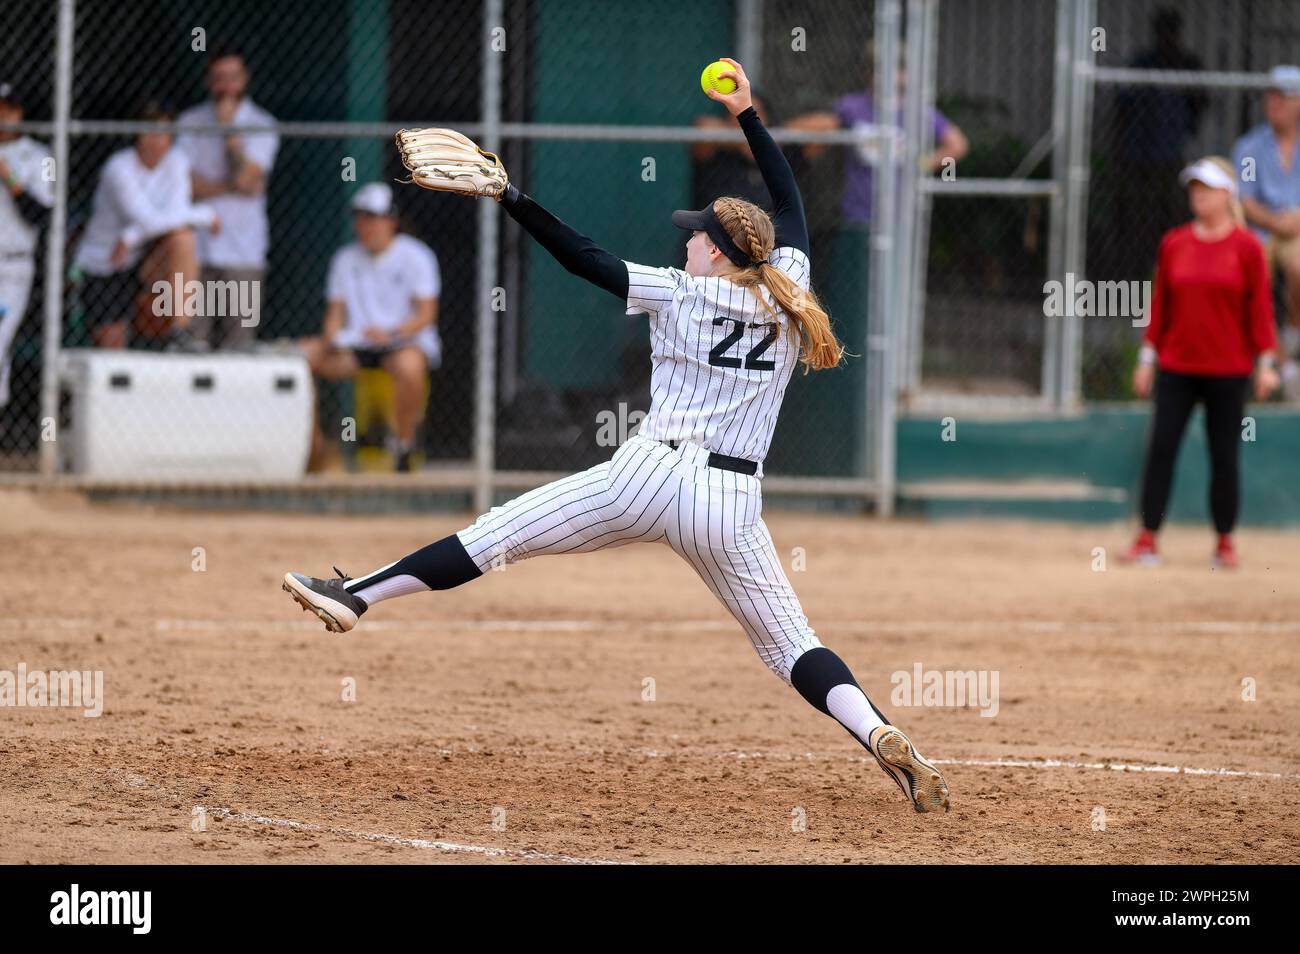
(445, 161)
(577, 253)
(787, 212)
(787, 204)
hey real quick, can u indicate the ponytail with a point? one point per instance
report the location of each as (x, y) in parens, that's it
(752, 231)
(819, 348)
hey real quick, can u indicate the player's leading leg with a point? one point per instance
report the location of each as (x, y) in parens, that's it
(718, 528)
(621, 501)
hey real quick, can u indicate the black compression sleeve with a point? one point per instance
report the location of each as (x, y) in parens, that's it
(577, 253)
(31, 210)
(787, 204)
(439, 566)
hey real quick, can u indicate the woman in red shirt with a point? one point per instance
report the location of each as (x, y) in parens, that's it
(1211, 321)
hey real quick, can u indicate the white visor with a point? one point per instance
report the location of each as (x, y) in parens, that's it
(1210, 174)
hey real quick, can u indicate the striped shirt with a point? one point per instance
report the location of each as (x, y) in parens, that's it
(720, 359)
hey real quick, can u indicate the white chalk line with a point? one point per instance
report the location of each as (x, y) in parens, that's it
(1040, 764)
(1114, 767)
(523, 854)
(1200, 627)
(1203, 626)
(131, 780)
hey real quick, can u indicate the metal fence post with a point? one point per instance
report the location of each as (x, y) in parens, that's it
(923, 206)
(881, 323)
(907, 321)
(1076, 201)
(749, 37)
(56, 239)
(1063, 84)
(488, 229)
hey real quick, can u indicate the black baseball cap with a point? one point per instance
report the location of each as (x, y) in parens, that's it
(9, 94)
(706, 221)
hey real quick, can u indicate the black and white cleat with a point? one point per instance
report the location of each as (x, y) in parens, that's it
(338, 609)
(920, 781)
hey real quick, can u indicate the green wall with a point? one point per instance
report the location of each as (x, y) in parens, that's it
(1103, 446)
(616, 63)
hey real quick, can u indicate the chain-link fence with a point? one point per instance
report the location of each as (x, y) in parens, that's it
(189, 175)
(1032, 142)
(176, 289)
(985, 218)
(1176, 82)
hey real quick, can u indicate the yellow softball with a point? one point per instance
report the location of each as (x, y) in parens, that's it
(709, 78)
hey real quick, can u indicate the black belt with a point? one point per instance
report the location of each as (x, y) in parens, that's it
(722, 462)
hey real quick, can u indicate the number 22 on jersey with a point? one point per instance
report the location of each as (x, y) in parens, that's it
(753, 360)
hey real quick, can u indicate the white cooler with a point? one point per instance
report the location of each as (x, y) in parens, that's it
(166, 416)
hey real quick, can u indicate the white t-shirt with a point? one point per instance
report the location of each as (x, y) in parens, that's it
(135, 203)
(720, 360)
(26, 158)
(242, 240)
(379, 291)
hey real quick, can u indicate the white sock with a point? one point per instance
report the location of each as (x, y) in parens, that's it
(849, 705)
(400, 585)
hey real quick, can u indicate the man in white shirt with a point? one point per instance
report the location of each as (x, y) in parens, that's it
(26, 195)
(382, 311)
(231, 173)
(141, 231)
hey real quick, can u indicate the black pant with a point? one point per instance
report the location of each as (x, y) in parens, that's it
(1225, 403)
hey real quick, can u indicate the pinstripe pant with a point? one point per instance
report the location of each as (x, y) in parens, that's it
(649, 492)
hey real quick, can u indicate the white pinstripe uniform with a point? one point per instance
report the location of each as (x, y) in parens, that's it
(721, 363)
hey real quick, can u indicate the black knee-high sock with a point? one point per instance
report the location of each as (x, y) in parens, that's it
(823, 679)
(439, 566)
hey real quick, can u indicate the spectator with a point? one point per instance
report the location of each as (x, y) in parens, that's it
(141, 230)
(381, 312)
(855, 110)
(1271, 196)
(231, 173)
(1211, 326)
(25, 200)
(1153, 126)
(849, 247)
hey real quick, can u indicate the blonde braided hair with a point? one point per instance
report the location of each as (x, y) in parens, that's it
(752, 230)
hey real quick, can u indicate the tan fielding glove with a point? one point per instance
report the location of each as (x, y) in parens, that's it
(446, 161)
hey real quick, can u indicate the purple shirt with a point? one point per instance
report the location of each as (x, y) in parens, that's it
(858, 109)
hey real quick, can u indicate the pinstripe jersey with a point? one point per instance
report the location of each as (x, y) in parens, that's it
(721, 360)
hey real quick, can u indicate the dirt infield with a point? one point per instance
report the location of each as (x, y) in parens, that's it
(508, 720)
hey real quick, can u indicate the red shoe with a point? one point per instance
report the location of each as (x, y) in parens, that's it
(1143, 551)
(1225, 554)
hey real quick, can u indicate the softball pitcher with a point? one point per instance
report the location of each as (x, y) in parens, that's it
(726, 335)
